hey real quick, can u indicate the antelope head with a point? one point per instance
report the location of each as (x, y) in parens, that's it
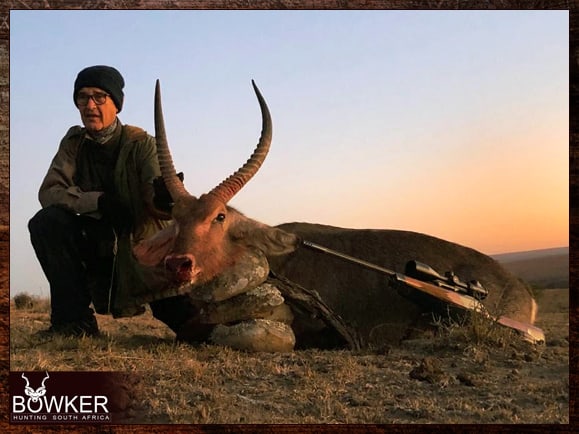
(207, 236)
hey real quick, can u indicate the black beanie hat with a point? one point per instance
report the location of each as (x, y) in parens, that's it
(104, 77)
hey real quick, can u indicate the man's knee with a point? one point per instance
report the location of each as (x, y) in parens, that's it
(50, 219)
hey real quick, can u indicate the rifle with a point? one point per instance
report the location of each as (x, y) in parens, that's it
(448, 288)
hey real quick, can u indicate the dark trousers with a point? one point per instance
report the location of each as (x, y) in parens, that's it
(71, 250)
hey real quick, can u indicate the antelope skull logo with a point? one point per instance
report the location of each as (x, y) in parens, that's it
(33, 394)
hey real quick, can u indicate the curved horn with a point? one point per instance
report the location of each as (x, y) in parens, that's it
(27, 382)
(228, 188)
(174, 185)
(45, 378)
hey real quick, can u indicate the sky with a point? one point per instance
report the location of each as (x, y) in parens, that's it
(449, 123)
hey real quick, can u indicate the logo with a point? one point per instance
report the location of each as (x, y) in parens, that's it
(65, 403)
(35, 395)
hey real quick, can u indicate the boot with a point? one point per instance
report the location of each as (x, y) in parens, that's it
(84, 327)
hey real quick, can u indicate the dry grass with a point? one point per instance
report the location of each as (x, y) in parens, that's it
(461, 373)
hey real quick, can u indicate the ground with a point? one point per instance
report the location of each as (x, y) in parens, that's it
(452, 376)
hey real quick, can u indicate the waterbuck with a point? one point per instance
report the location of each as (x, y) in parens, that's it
(207, 238)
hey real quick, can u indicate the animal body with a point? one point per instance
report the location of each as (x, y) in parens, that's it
(367, 300)
(208, 237)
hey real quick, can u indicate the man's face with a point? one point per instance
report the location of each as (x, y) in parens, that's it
(98, 111)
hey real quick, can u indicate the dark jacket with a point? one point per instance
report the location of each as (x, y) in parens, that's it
(135, 169)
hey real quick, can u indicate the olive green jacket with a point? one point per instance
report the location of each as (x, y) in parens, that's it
(135, 170)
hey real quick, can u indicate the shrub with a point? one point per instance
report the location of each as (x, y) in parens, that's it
(23, 301)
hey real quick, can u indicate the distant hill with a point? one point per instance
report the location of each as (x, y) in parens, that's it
(546, 268)
(530, 254)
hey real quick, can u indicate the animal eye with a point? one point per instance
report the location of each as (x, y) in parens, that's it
(220, 217)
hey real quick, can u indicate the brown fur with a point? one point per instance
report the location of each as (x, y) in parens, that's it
(211, 236)
(367, 300)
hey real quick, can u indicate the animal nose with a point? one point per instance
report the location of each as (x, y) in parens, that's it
(181, 266)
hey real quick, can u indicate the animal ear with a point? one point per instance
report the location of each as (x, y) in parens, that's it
(271, 241)
(153, 250)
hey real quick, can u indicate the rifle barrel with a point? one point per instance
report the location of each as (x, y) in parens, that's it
(529, 331)
(369, 265)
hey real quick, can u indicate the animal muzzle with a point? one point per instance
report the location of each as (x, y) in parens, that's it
(182, 267)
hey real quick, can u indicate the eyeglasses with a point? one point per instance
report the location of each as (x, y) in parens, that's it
(98, 98)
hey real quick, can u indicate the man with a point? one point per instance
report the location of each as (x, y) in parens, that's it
(98, 199)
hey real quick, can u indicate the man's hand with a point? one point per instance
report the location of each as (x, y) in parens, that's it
(162, 199)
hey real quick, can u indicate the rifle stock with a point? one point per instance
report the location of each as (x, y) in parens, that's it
(530, 332)
(456, 299)
(453, 298)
